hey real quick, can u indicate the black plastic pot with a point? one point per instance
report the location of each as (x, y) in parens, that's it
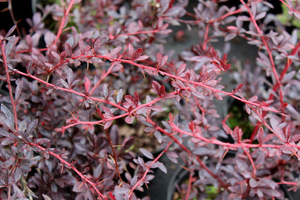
(179, 176)
(290, 195)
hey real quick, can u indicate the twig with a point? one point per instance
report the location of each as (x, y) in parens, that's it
(3, 43)
(114, 154)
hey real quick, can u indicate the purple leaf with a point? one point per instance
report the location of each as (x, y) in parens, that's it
(267, 138)
(201, 151)
(8, 119)
(9, 47)
(46, 197)
(79, 187)
(156, 86)
(97, 45)
(161, 61)
(68, 50)
(120, 96)
(11, 30)
(241, 165)
(49, 38)
(18, 90)
(181, 69)
(105, 91)
(254, 98)
(148, 124)
(162, 91)
(87, 84)
(32, 126)
(230, 36)
(260, 135)
(253, 183)
(18, 192)
(146, 153)
(17, 174)
(129, 119)
(108, 124)
(272, 193)
(167, 126)
(158, 136)
(260, 15)
(65, 84)
(144, 57)
(264, 60)
(149, 178)
(280, 133)
(130, 50)
(162, 167)
(114, 134)
(164, 60)
(172, 156)
(137, 53)
(115, 51)
(108, 113)
(295, 138)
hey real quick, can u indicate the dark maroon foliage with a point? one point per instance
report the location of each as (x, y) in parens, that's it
(103, 67)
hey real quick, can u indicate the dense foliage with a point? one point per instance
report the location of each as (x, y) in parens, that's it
(88, 69)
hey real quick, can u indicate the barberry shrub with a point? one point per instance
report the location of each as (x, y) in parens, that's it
(87, 70)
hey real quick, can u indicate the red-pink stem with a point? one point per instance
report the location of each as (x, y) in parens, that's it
(227, 15)
(189, 152)
(267, 48)
(212, 174)
(290, 8)
(13, 17)
(135, 33)
(189, 186)
(287, 65)
(251, 161)
(114, 155)
(2, 43)
(220, 143)
(194, 83)
(63, 21)
(69, 165)
(69, 90)
(205, 36)
(101, 78)
(171, 76)
(138, 183)
(289, 62)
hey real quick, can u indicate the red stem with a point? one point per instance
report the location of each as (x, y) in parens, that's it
(290, 8)
(101, 78)
(189, 186)
(289, 62)
(171, 3)
(69, 165)
(148, 169)
(251, 161)
(212, 174)
(135, 33)
(114, 154)
(63, 21)
(2, 43)
(267, 48)
(171, 76)
(205, 36)
(13, 17)
(287, 65)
